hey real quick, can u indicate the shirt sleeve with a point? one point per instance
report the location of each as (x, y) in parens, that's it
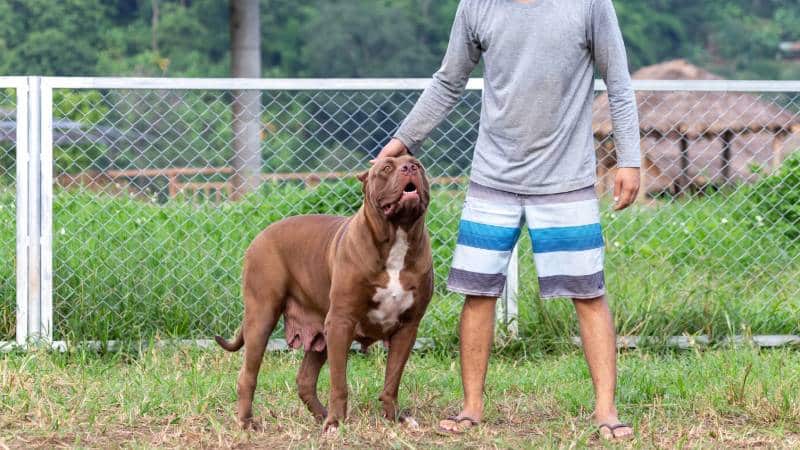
(608, 51)
(448, 84)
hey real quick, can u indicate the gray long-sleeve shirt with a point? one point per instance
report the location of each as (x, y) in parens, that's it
(535, 134)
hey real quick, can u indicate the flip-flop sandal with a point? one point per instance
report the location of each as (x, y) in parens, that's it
(458, 419)
(613, 429)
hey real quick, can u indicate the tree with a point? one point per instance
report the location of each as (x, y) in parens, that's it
(40, 37)
(246, 63)
(651, 34)
(366, 39)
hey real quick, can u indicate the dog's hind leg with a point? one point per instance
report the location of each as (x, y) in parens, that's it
(260, 320)
(307, 378)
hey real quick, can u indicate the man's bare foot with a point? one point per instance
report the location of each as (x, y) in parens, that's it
(459, 423)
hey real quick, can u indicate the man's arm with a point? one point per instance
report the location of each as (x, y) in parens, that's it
(446, 88)
(608, 50)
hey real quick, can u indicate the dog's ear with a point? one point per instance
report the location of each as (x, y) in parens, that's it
(362, 177)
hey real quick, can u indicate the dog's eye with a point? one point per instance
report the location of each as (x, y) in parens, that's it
(387, 169)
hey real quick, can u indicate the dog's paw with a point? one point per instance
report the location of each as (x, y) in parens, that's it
(250, 424)
(330, 427)
(320, 416)
(410, 423)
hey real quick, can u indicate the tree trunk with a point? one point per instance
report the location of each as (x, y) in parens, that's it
(683, 181)
(777, 150)
(154, 27)
(245, 63)
(727, 137)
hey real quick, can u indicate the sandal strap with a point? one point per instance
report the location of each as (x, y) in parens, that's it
(614, 428)
(460, 418)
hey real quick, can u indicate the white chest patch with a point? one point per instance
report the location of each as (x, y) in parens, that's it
(392, 300)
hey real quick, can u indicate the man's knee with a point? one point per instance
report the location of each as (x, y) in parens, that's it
(478, 302)
(478, 307)
(479, 299)
(588, 304)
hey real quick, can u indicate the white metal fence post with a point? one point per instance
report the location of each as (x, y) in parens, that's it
(509, 311)
(22, 159)
(46, 210)
(35, 315)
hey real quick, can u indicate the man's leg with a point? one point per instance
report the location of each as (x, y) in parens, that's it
(488, 230)
(477, 334)
(568, 249)
(600, 349)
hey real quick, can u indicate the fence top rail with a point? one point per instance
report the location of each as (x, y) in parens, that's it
(267, 84)
(13, 82)
(378, 84)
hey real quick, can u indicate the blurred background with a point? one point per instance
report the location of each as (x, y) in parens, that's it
(739, 39)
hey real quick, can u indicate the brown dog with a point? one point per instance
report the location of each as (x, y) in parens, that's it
(366, 278)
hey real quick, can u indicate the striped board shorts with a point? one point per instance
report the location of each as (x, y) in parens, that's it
(565, 233)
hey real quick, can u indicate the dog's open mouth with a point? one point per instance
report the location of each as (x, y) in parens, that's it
(409, 191)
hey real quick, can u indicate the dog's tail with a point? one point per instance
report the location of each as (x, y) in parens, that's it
(231, 346)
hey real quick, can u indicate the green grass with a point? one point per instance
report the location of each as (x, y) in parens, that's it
(128, 268)
(8, 252)
(180, 398)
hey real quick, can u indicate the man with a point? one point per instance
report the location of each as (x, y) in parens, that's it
(534, 162)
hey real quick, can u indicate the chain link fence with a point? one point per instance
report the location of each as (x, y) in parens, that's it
(150, 222)
(712, 246)
(8, 167)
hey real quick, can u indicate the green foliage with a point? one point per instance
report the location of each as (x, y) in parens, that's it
(74, 159)
(651, 36)
(341, 199)
(127, 268)
(342, 38)
(368, 39)
(776, 198)
(85, 106)
(8, 249)
(44, 37)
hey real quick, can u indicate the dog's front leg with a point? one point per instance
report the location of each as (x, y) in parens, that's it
(400, 345)
(339, 329)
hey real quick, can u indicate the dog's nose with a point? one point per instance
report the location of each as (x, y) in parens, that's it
(408, 169)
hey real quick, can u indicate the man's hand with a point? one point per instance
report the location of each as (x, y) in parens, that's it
(626, 187)
(393, 149)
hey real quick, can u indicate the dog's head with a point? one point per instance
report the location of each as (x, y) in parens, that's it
(397, 189)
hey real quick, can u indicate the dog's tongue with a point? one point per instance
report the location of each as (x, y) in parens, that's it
(412, 194)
